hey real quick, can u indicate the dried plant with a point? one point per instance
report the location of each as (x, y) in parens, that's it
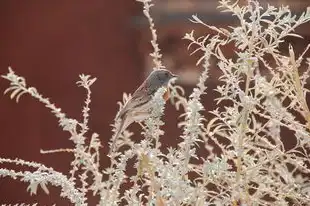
(262, 93)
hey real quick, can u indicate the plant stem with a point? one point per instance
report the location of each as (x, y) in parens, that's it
(243, 126)
(300, 95)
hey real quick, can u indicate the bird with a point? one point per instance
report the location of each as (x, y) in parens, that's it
(138, 107)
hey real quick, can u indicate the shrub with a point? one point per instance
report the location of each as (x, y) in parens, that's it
(254, 167)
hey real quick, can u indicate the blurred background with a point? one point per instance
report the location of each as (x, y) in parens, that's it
(51, 42)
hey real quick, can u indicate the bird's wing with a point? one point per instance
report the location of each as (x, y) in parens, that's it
(139, 98)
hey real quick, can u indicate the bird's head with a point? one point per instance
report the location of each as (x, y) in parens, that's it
(160, 77)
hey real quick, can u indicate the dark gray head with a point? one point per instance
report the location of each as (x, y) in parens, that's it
(159, 78)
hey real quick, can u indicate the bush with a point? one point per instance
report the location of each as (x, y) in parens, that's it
(254, 167)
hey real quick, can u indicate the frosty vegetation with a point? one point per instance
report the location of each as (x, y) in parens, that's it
(253, 168)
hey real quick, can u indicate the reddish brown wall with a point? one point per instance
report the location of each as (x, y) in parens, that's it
(51, 43)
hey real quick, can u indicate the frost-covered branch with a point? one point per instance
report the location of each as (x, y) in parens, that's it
(41, 177)
(156, 55)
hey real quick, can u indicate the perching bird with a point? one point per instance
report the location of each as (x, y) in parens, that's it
(138, 107)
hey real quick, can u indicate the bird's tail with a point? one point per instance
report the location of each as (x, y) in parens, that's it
(120, 128)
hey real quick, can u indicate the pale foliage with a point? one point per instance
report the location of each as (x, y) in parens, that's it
(253, 168)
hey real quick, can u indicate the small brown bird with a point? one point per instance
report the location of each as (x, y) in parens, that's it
(138, 107)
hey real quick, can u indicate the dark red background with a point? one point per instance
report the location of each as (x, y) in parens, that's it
(50, 43)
